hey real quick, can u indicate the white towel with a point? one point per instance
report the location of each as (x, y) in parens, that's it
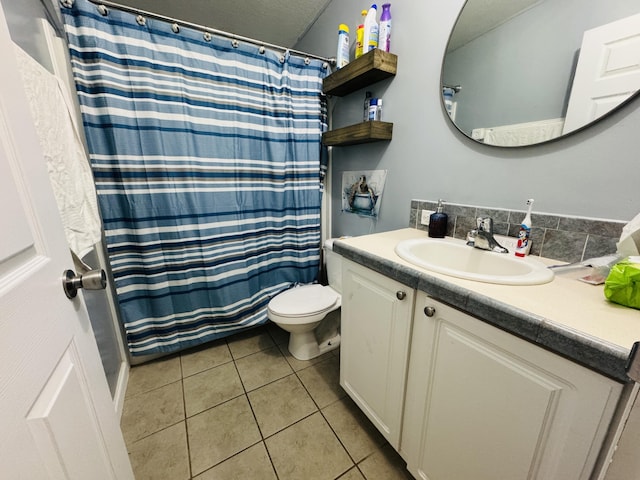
(66, 158)
(523, 133)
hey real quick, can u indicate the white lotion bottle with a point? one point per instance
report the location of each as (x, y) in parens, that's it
(524, 235)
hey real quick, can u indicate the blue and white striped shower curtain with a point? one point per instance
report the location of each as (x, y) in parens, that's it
(206, 159)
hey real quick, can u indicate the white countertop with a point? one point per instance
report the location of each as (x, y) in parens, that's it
(565, 303)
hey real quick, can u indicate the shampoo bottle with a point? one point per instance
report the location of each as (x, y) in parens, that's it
(384, 38)
(524, 235)
(342, 56)
(438, 222)
(370, 37)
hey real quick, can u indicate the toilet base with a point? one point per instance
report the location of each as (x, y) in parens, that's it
(304, 346)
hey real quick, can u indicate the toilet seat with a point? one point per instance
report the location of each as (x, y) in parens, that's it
(303, 301)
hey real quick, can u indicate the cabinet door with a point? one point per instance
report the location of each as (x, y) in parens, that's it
(375, 329)
(488, 405)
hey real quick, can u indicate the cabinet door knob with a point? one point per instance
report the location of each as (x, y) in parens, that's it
(429, 311)
(400, 295)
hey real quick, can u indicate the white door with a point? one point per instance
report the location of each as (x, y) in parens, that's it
(56, 414)
(608, 71)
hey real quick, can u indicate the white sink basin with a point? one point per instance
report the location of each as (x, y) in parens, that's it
(455, 258)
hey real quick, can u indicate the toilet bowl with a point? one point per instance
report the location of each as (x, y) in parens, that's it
(310, 313)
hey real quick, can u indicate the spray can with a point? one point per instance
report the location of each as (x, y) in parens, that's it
(342, 56)
(384, 39)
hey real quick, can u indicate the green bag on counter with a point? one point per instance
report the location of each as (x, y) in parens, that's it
(623, 283)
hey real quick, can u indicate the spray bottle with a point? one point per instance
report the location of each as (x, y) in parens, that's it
(524, 235)
(384, 40)
(360, 35)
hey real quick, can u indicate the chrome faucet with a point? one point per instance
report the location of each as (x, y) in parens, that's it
(484, 238)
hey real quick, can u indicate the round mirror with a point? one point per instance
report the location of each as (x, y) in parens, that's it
(522, 72)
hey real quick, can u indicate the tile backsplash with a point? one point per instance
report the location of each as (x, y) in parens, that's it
(570, 239)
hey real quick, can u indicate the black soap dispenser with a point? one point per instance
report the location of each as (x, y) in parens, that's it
(438, 222)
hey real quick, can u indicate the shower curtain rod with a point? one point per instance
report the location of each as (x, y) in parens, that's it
(195, 26)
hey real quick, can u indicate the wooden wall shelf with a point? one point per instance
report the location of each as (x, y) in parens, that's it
(365, 132)
(371, 67)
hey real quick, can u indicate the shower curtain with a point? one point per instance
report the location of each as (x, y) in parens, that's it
(206, 158)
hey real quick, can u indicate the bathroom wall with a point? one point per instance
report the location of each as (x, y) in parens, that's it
(589, 174)
(571, 239)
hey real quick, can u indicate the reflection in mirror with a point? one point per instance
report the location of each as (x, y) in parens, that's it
(521, 72)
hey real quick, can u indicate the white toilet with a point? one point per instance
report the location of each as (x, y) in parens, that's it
(310, 313)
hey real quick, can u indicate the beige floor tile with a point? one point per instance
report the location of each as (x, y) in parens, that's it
(308, 450)
(251, 464)
(252, 341)
(280, 404)
(150, 412)
(322, 380)
(301, 364)
(385, 464)
(149, 376)
(262, 367)
(353, 474)
(208, 356)
(211, 387)
(162, 455)
(355, 431)
(220, 432)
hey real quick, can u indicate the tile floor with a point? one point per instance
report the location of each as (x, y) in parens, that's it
(244, 408)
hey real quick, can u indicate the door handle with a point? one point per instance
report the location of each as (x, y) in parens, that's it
(91, 280)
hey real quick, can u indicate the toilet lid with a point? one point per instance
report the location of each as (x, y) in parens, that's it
(304, 300)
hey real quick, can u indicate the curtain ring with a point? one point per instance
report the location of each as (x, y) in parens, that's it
(103, 10)
(307, 61)
(207, 36)
(234, 43)
(281, 58)
(175, 27)
(262, 49)
(66, 3)
(325, 65)
(141, 20)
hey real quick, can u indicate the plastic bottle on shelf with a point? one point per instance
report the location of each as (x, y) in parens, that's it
(384, 39)
(342, 56)
(360, 35)
(370, 37)
(373, 107)
(367, 102)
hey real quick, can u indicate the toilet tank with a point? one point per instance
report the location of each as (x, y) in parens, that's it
(333, 264)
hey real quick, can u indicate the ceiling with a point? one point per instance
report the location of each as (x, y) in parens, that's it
(279, 22)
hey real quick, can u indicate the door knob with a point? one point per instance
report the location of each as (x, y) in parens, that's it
(429, 311)
(91, 280)
(400, 295)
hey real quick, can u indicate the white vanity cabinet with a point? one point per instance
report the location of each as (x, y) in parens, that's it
(375, 335)
(484, 404)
